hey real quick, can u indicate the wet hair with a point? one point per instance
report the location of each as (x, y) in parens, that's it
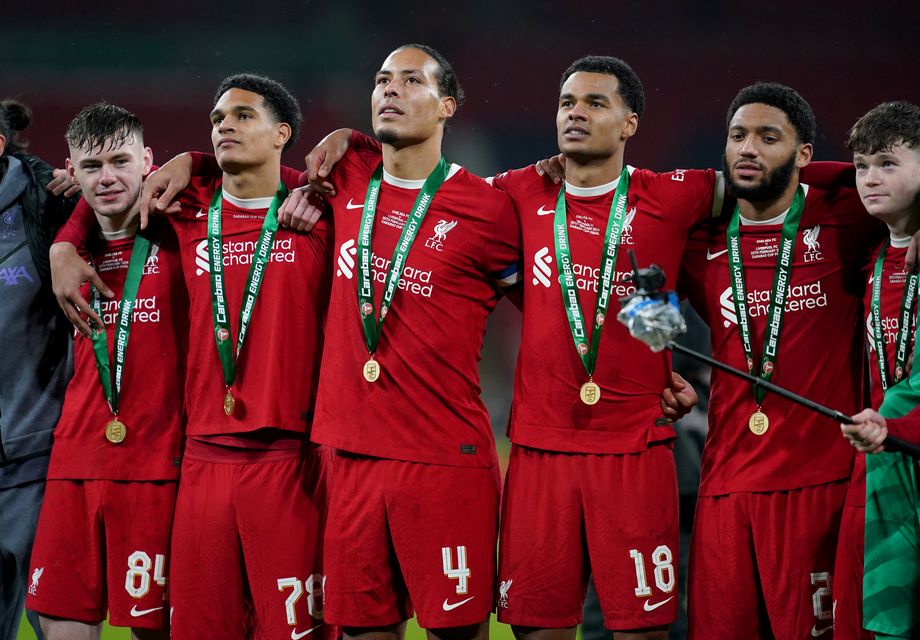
(886, 126)
(103, 126)
(448, 84)
(279, 101)
(784, 98)
(14, 117)
(630, 87)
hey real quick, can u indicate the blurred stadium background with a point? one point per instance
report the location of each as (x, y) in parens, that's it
(163, 60)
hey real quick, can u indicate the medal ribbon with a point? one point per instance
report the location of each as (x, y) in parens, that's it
(908, 302)
(615, 222)
(373, 327)
(260, 258)
(781, 281)
(112, 390)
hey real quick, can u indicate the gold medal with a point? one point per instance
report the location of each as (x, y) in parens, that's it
(590, 393)
(371, 370)
(759, 423)
(229, 403)
(115, 431)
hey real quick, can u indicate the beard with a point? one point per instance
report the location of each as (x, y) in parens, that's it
(387, 136)
(774, 183)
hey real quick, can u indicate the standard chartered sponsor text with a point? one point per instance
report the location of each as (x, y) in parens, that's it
(800, 297)
(145, 310)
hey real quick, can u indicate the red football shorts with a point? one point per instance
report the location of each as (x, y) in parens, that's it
(568, 515)
(247, 548)
(103, 544)
(407, 535)
(761, 564)
(848, 575)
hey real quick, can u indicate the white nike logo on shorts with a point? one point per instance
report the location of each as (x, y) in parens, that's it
(652, 607)
(136, 613)
(352, 205)
(815, 631)
(297, 636)
(450, 607)
(544, 212)
(712, 256)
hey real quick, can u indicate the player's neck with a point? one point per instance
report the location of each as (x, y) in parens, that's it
(593, 173)
(119, 222)
(768, 209)
(904, 224)
(412, 162)
(254, 182)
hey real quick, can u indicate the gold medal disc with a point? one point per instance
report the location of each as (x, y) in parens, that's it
(759, 423)
(371, 370)
(229, 403)
(115, 431)
(590, 393)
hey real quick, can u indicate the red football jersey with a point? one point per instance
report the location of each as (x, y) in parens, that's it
(425, 407)
(150, 402)
(547, 412)
(278, 369)
(821, 354)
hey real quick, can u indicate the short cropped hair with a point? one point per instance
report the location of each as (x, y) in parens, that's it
(282, 105)
(784, 98)
(448, 84)
(630, 87)
(886, 126)
(14, 118)
(103, 124)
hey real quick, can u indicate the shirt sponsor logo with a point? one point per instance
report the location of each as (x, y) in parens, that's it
(36, 576)
(240, 252)
(436, 241)
(11, 276)
(503, 593)
(586, 278)
(812, 246)
(801, 297)
(413, 280)
(145, 310)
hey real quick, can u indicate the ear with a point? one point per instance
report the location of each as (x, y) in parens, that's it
(68, 167)
(282, 135)
(632, 125)
(447, 108)
(803, 154)
(2, 145)
(147, 161)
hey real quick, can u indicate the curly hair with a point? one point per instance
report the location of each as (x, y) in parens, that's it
(886, 126)
(784, 98)
(630, 87)
(282, 105)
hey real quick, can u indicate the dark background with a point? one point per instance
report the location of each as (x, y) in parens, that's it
(163, 60)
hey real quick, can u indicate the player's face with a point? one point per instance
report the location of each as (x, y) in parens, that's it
(762, 152)
(244, 131)
(406, 105)
(111, 177)
(888, 181)
(593, 121)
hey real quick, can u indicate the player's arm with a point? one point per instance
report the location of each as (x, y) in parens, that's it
(69, 271)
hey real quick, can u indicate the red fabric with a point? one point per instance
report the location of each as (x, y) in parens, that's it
(821, 352)
(278, 368)
(244, 536)
(547, 412)
(761, 564)
(848, 574)
(96, 539)
(389, 525)
(425, 407)
(562, 513)
(150, 405)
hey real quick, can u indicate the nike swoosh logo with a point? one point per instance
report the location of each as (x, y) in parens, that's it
(137, 613)
(544, 212)
(815, 631)
(352, 205)
(200, 214)
(712, 256)
(450, 607)
(297, 636)
(652, 607)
